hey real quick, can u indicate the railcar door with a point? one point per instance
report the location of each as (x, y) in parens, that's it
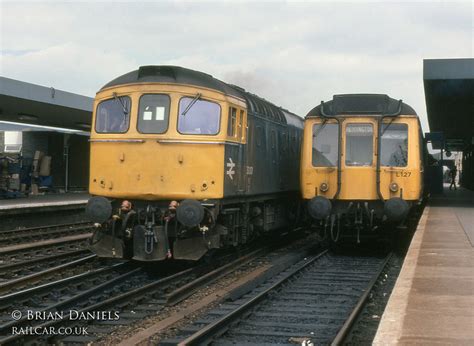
(320, 159)
(358, 161)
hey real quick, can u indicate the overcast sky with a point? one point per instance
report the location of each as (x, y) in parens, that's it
(294, 54)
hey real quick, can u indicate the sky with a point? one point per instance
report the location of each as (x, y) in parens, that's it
(294, 54)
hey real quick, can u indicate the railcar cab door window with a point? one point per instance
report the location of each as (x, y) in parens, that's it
(325, 145)
(201, 118)
(359, 144)
(113, 115)
(394, 146)
(153, 113)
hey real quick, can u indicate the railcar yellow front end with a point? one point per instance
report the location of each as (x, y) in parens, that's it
(401, 159)
(361, 169)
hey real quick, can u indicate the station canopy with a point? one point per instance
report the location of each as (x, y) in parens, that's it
(29, 107)
(449, 95)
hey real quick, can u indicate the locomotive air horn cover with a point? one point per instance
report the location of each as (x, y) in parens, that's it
(319, 207)
(98, 209)
(190, 213)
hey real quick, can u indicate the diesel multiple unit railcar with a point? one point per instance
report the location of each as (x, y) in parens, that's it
(182, 163)
(362, 163)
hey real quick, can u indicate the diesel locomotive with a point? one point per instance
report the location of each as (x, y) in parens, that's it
(182, 163)
(361, 164)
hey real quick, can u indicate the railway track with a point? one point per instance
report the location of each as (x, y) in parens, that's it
(315, 300)
(33, 251)
(8, 253)
(132, 294)
(26, 235)
(27, 260)
(52, 294)
(73, 264)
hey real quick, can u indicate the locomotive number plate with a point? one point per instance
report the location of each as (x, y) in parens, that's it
(403, 174)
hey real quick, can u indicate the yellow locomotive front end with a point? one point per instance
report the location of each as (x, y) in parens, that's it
(153, 153)
(362, 162)
(154, 144)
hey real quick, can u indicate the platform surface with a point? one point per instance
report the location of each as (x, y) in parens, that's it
(432, 302)
(50, 200)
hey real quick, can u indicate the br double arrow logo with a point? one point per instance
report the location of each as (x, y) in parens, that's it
(230, 172)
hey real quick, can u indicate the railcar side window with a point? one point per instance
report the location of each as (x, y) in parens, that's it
(240, 124)
(325, 141)
(359, 144)
(232, 122)
(202, 118)
(153, 113)
(394, 146)
(113, 115)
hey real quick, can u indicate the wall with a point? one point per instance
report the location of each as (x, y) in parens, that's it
(2, 141)
(32, 141)
(467, 173)
(52, 144)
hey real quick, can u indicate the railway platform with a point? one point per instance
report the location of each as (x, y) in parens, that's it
(43, 210)
(51, 201)
(432, 302)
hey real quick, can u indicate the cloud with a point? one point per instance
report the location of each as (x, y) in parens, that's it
(293, 54)
(69, 67)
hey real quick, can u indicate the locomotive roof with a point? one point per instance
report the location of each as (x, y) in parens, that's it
(172, 74)
(181, 75)
(373, 104)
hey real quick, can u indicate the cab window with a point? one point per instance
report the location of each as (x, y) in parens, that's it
(113, 115)
(240, 125)
(394, 145)
(201, 118)
(153, 113)
(232, 122)
(325, 145)
(359, 144)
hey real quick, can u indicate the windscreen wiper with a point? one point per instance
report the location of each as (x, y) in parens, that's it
(320, 128)
(197, 97)
(119, 99)
(386, 128)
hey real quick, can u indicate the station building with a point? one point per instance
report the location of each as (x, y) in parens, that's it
(44, 136)
(449, 95)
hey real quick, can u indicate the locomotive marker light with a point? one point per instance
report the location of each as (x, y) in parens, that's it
(98, 209)
(393, 187)
(190, 213)
(324, 187)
